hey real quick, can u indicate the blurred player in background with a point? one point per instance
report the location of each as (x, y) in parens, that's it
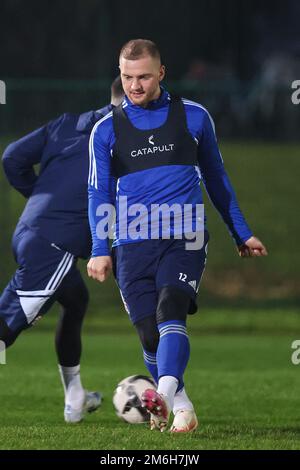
(52, 232)
(159, 147)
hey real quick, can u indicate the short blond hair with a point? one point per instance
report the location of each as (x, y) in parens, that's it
(137, 48)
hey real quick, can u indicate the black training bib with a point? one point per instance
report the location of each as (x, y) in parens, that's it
(137, 150)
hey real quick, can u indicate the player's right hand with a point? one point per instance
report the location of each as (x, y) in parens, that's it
(251, 248)
(99, 268)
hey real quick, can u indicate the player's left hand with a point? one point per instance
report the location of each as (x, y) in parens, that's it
(251, 248)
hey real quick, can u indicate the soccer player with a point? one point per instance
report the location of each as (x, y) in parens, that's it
(158, 147)
(52, 232)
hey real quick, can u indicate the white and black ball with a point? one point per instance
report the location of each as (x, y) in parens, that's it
(127, 398)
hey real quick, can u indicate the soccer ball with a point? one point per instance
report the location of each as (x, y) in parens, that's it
(127, 398)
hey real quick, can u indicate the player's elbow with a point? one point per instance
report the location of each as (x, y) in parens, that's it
(7, 155)
(9, 163)
(6, 161)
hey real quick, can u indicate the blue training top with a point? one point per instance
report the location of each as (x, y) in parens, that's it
(57, 197)
(172, 183)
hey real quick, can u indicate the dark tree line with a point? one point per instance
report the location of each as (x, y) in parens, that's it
(81, 38)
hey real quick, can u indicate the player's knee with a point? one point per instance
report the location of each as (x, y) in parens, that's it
(148, 333)
(82, 299)
(6, 334)
(5, 331)
(75, 301)
(173, 304)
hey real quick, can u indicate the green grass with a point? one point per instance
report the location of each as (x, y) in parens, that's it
(244, 386)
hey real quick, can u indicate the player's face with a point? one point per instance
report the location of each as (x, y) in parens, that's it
(141, 78)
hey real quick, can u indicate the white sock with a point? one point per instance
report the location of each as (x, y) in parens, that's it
(167, 386)
(182, 401)
(74, 392)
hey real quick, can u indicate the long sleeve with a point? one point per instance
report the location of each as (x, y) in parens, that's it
(20, 157)
(218, 185)
(100, 193)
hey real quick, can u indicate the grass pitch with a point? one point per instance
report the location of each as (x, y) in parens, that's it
(244, 387)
